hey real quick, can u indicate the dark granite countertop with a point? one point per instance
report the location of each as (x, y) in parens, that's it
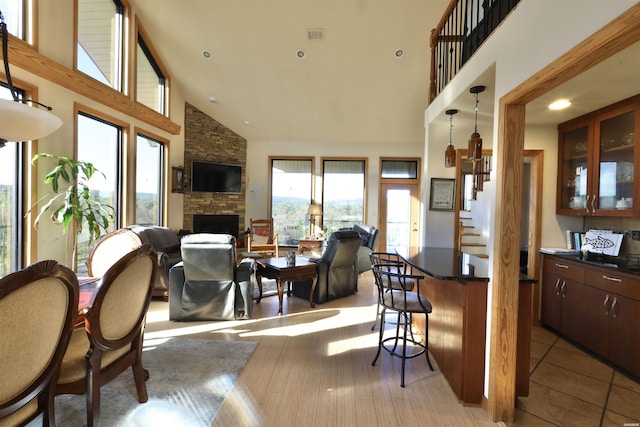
(451, 264)
(448, 264)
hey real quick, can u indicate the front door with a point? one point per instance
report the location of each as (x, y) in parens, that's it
(399, 217)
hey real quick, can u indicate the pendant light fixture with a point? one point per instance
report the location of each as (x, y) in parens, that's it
(475, 142)
(19, 121)
(450, 152)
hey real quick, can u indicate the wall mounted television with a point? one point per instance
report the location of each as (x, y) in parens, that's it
(216, 178)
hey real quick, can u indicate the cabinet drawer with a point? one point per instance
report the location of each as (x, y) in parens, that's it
(612, 281)
(564, 268)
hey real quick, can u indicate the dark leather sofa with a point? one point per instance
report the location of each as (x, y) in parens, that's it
(337, 269)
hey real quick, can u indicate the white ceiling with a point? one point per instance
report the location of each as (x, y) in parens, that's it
(349, 87)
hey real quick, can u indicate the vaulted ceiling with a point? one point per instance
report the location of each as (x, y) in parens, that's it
(352, 84)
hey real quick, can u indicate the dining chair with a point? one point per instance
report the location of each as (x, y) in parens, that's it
(111, 340)
(38, 308)
(394, 295)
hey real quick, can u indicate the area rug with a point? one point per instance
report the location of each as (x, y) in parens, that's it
(188, 381)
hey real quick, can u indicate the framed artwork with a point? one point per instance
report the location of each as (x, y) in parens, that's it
(442, 194)
(177, 179)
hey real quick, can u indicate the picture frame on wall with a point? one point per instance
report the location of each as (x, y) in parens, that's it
(177, 179)
(442, 194)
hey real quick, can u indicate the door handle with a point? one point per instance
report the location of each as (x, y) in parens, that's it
(606, 305)
(586, 205)
(593, 204)
(614, 307)
(563, 289)
(558, 286)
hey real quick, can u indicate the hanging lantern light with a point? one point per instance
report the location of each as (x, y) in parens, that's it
(450, 152)
(475, 142)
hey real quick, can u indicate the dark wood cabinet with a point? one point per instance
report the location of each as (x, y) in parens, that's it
(594, 306)
(597, 153)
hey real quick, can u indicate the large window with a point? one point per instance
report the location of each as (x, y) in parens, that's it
(10, 202)
(149, 188)
(100, 143)
(101, 40)
(150, 80)
(291, 192)
(343, 189)
(14, 12)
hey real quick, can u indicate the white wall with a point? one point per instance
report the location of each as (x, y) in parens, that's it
(258, 169)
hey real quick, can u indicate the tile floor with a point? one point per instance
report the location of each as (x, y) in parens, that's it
(571, 387)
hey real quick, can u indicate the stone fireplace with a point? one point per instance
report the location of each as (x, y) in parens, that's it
(206, 140)
(219, 224)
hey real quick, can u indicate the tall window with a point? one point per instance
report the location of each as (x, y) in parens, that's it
(150, 80)
(10, 203)
(14, 16)
(101, 40)
(100, 142)
(149, 161)
(291, 186)
(343, 187)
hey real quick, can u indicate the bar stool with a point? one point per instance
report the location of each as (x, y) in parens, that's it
(394, 263)
(393, 294)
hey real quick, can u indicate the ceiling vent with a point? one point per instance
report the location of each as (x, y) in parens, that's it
(315, 34)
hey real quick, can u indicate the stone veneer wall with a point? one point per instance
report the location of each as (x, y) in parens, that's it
(209, 141)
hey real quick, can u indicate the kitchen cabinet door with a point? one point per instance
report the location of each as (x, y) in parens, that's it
(625, 333)
(551, 300)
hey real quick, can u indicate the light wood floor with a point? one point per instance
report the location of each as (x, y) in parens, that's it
(312, 367)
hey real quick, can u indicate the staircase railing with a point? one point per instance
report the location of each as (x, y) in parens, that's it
(465, 25)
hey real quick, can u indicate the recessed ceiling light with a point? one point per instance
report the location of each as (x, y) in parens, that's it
(300, 54)
(246, 122)
(213, 99)
(560, 104)
(398, 53)
(206, 54)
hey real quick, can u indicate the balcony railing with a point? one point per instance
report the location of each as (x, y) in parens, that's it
(466, 24)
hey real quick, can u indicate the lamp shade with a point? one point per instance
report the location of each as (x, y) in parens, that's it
(21, 122)
(314, 209)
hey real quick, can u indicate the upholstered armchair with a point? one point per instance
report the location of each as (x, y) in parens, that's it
(337, 269)
(111, 247)
(207, 284)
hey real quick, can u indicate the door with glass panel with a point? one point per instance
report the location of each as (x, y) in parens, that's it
(399, 217)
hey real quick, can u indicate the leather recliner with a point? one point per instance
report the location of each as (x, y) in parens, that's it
(208, 284)
(337, 269)
(369, 235)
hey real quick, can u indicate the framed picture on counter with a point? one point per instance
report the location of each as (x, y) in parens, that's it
(442, 194)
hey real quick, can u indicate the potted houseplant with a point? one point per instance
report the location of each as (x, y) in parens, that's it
(71, 203)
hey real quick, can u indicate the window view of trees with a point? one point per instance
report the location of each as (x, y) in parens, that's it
(149, 159)
(99, 142)
(342, 194)
(291, 183)
(9, 223)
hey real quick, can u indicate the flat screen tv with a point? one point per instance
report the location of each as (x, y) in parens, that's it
(216, 178)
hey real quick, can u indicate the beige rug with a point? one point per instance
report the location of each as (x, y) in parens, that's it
(189, 379)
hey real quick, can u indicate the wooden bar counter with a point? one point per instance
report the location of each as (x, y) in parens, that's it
(456, 284)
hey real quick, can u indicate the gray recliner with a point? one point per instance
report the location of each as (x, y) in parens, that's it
(207, 284)
(337, 269)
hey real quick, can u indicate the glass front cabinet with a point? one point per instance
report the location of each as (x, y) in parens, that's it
(596, 162)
